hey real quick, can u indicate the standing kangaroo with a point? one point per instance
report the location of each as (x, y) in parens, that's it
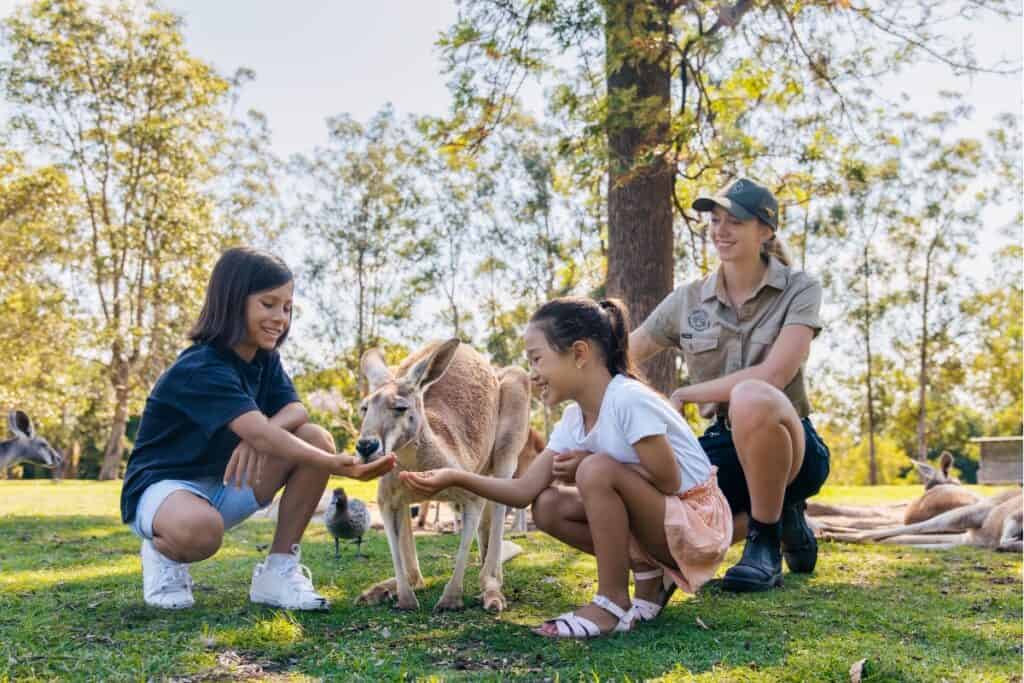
(26, 446)
(446, 406)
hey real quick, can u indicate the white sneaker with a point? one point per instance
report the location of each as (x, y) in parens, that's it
(286, 584)
(165, 583)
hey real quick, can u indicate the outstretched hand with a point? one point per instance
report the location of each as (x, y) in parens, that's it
(354, 468)
(429, 482)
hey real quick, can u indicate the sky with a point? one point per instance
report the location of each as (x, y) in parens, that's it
(315, 59)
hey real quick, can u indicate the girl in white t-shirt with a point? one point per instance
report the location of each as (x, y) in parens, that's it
(642, 481)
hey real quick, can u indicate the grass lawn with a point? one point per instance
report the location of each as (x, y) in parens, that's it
(71, 609)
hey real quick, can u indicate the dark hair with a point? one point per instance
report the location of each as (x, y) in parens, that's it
(571, 318)
(239, 272)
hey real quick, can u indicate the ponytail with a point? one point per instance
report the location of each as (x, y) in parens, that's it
(569, 319)
(617, 354)
(777, 248)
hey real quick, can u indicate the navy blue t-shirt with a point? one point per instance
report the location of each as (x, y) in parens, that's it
(184, 431)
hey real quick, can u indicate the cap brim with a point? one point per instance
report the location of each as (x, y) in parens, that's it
(708, 203)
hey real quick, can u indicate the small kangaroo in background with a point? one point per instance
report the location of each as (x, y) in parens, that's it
(445, 406)
(26, 446)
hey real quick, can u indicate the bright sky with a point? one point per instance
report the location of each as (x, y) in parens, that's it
(316, 59)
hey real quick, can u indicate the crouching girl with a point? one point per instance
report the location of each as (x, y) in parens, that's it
(222, 431)
(645, 495)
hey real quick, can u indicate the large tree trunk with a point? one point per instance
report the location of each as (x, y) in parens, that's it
(640, 237)
(114, 451)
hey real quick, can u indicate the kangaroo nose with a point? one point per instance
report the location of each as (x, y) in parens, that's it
(367, 447)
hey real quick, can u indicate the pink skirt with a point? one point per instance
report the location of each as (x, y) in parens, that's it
(698, 527)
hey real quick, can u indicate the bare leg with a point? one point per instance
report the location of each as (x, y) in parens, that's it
(769, 442)
(619, 501)
(303, 487)
(187, 528)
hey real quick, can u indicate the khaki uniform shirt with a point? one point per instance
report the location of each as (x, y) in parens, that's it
(717, 340)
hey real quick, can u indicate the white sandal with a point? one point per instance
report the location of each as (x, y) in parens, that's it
(570, 625)
(645, 610)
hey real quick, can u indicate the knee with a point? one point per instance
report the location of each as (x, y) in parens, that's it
(197, 537)
(545, 509)
(753, 402)
(315, 435)
(597, 468)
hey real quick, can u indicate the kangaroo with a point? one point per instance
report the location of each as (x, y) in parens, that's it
(941, 491)
(26, 446)
(445, 406)
(994, 523)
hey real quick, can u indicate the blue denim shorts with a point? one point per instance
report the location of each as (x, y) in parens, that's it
(235, 505)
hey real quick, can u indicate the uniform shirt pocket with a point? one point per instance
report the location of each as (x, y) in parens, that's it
(761, 341)
(705, 356)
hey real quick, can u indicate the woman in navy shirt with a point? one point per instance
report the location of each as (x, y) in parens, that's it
(222, 431)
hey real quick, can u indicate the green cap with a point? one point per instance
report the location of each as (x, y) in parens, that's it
(744, 199)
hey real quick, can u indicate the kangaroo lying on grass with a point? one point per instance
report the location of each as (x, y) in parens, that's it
(26, 446)
(446, 406)
(942, 492)
(994, 523)
(946, 516)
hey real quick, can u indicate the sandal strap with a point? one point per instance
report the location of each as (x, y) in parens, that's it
(646, 576)
(573, 626)
(645, 610)
(609, 606)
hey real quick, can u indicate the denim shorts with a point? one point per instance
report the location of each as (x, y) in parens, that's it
(235, 505)
(717, 443)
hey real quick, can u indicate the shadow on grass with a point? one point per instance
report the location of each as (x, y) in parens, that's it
(914, 615)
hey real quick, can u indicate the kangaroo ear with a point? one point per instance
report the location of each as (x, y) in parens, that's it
(374, 369)
(945, 462)
(20, 423)
(433, 367)
(924, 470)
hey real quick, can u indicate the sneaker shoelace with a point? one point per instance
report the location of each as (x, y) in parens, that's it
(298, 577)
(174, 577)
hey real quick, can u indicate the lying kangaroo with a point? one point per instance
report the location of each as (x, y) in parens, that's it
(26, 446)
(941, 491)
(446, 406)
(994, 523)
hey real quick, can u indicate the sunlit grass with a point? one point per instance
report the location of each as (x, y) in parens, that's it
(71, 609)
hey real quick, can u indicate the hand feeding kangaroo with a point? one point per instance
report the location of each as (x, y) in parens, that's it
(445, 406)
(26, 446)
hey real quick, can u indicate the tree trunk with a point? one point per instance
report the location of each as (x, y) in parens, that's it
(872, 461)
(640, 238)
(922, 409)
(114, 451)
(72, 457)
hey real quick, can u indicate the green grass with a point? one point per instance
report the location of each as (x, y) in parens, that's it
(71, 609)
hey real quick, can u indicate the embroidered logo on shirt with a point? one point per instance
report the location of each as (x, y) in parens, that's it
(699, 319)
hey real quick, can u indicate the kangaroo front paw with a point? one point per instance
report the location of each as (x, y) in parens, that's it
(449, 603)
(492, 597)
(494, 601)
(378, 593)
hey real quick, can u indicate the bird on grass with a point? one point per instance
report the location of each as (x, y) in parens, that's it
(348, 519)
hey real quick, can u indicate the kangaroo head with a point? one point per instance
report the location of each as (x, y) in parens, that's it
(932, 477)
(392, 412)
(27, 446)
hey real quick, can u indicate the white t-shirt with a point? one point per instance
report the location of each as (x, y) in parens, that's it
(630, 411)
